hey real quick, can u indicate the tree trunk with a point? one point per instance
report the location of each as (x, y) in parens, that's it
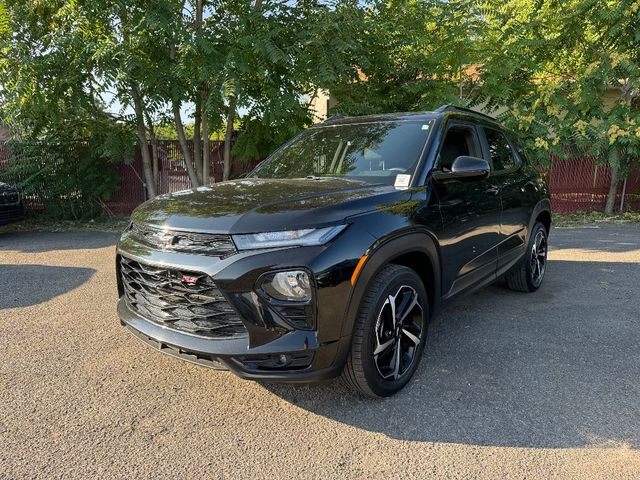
(228, 137)
(197, 142)
(177, 119)
(613, 189)
(144, 146)
(154, 157)
(199, 12)
(154, 148)
(184, 146)
(205, 139)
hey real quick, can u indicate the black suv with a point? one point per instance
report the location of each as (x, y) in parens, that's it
(11, 208)
(331, 257)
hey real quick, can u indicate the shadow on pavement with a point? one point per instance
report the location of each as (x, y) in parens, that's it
(27, 285)
(39, 242)
(558, 368)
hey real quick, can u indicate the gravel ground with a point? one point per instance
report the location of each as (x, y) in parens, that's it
(512, 385)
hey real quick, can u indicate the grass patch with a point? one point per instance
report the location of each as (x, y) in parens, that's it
(35, 224)
(585, 218)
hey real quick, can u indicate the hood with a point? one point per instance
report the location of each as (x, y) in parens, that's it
(259, 205)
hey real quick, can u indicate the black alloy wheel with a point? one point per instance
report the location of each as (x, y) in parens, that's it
(398, 332)
(528, 273)
(538, 257)
(389, 333)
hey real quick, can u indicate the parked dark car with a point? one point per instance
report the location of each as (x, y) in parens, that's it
(11, 208)
(332, 256)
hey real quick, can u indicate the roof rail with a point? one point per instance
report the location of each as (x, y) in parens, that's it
(454, 108)
(334, 117)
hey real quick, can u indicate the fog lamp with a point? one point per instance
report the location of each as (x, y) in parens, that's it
(288, 286)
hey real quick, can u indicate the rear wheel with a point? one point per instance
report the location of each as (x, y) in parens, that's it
(389, 334)
(529, 272)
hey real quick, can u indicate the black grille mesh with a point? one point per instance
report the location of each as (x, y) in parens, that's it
(184, 301)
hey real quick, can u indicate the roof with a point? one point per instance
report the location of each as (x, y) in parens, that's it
(417, 116)
(454, 108)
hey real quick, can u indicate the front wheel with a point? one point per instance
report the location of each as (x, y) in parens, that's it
(528, 273)
(389, 334)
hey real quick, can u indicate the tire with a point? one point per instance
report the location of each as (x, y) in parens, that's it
(366, 369)
(528, 273)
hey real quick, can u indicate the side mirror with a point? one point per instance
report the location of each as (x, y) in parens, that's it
(466, 168)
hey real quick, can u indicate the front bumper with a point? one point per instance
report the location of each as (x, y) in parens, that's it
(234, 354)
(271, 350)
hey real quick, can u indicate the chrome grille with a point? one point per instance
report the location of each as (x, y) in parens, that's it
(218, 245)
(185, 301)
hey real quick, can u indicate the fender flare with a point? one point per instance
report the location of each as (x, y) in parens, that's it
(383, 253)
(543, 205)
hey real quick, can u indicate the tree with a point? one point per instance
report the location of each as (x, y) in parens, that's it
(65, 142)
(412, 55)
(553, 63)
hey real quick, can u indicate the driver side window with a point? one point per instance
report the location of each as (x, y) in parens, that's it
(459, 140)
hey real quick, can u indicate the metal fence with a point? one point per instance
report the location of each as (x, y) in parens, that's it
(578, 183)
(172, 174)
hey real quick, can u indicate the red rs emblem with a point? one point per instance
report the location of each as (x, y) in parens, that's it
(189, 280)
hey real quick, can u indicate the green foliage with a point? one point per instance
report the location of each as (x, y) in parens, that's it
(276, 56)
(412, 55)
(569, 74)
(93, 62)
(64, 181)
(167, 131)
(65, 143)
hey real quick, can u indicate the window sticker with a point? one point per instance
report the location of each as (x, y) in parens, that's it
(425, 126)
(402, 180)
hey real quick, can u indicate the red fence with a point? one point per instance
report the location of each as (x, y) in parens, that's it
(577, 184)
(172, 174)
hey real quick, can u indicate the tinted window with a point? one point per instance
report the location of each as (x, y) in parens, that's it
(458, 141)
(375, 152)
(500, 150)
(521, 153)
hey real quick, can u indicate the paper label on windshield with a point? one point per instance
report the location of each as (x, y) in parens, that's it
(402, 180)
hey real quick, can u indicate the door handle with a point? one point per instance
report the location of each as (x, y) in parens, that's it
(492, 190)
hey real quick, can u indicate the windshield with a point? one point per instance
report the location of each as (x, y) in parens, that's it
(374, 152)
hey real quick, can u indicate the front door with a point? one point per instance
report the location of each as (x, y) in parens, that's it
(470, 211)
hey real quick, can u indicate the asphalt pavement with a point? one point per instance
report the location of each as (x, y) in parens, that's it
(512, 385)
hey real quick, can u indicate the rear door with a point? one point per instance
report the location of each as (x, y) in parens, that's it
(512, 182)
(470, 212)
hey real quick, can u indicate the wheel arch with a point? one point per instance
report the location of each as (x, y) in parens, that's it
(541, 213)
(417, 250)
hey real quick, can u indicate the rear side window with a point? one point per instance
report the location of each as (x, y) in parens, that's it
(500, 150)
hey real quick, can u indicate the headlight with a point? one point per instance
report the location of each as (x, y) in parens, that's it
(288, 286)
(288, 238)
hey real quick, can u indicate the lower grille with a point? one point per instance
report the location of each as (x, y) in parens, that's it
(184, 301)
